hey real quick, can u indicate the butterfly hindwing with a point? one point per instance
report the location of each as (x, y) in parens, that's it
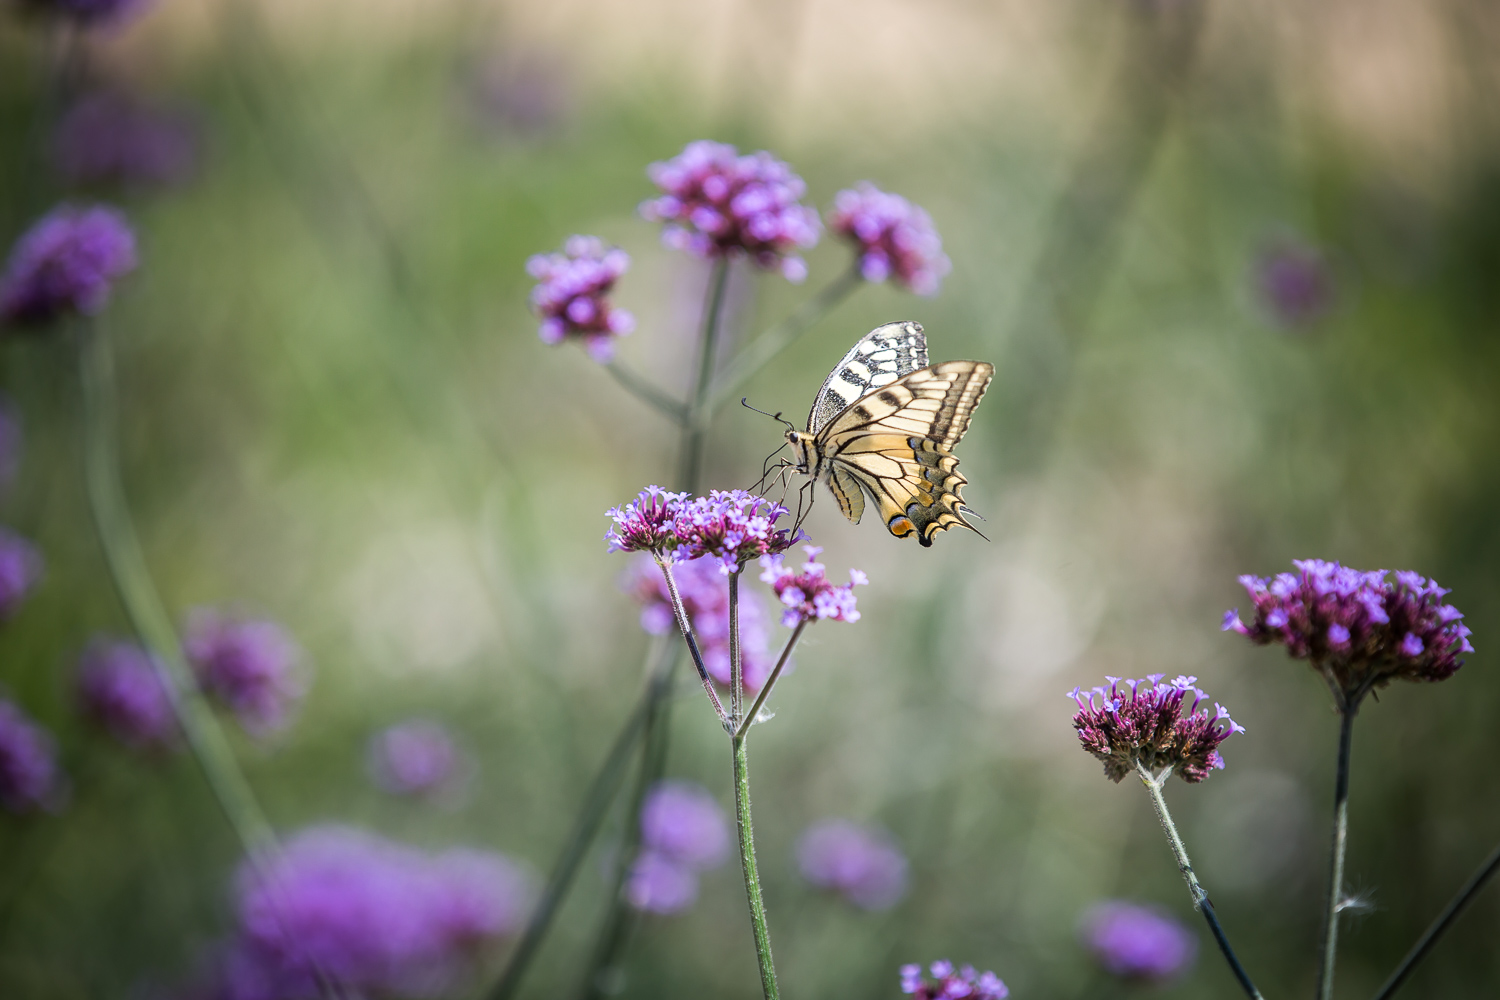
(877, 359)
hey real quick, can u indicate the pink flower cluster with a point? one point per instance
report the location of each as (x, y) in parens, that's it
(572, 292)
(1358, 628)
(121, 692)
(809, 595)
(948, 983)
(716, 203)
(1152, 723)
(895, 239)
(252, 668)
(732, 526)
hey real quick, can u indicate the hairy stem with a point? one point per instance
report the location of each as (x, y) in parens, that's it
(765, 692)
(1440, 924)
(1201, 901)
(685, 627)
(736, 668)
(690, 465)
(747, 865)
(1335, 901)
(638, 386)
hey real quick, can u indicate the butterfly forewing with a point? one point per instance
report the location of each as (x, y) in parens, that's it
(877, 359)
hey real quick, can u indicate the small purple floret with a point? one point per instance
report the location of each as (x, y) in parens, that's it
(20, 568)
(120, 690)
(716, 203)
(572, 295)
(1137, 943)
(646, 524)
(948, 983)
(861, 863)
(416, 757)
(895, 239)
(66, 263)
(251, 667)
(30, 779)
(809, 595)
(1154, 724)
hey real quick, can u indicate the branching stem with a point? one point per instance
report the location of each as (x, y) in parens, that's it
(765, 692)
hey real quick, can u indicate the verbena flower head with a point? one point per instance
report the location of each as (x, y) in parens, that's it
(733, 526)
(109, 139)
(30, 779)
(657, 884)
(948, 983)
(646, 524)
(682, 822)
(379, 917)
(572, 295)
(861, 863)
(1295, 283)
(87, 12)
(416, 757)
(716, 203)
(705, 596)
(1357, 628)
(120, 691)
(1153, 723)
(66, 263)
(894, 239)
(251, 667)
(20, 568)
(808, 594)
(1137, 943)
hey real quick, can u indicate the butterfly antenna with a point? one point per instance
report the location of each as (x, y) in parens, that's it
(744, 401)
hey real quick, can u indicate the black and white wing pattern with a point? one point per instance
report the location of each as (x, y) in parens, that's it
(877, 359)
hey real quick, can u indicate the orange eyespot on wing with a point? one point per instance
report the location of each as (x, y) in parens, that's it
(901, 526)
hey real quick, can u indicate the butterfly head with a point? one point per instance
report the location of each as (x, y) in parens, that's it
(802, 450)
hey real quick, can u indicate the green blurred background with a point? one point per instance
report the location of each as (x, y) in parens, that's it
(336, 412)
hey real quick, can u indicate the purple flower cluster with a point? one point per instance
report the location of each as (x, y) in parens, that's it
(65, 263)
(1151, 723)
(29, 776)
(1137, 943)
(20, 569)
(572, 295)
(378, 917)
(894, 238)
(716, 203)
(92, 12)
(683, 832)
(809, 595)
(108, 139)
(732, 526)
(646, 524)
(251, 667)
(861, 863)
(705, 597)
(1295, 283)
(120, 691)
(1357, 628)
(948, 983)
(416, 757)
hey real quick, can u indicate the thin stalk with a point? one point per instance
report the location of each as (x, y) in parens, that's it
(691, 460)
(1329, 953)
(641, 389)
(765, 692)
(736, 668)
(686, 628)
(1199, 895)
(1441, 924)
(752, 875)
(778, 338)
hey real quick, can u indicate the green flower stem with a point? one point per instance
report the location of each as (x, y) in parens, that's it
(781, 336)
(690, 462)
(1201, 901)
(1441, 924)
(747, 865)
(736, 667)
(143, 606)
(765, 692)
(1335, 902)
(639, 387)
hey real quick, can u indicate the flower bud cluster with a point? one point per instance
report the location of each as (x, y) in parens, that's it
(716, 203)
(809, 595)
(948, 983)
(572, 293)
(732, 526)
(1153, 724)
(1357, 628)
(894, 238)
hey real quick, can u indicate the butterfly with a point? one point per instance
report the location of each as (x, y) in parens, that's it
(884, 426)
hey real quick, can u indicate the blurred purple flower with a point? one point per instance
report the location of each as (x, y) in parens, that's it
(1137, 943)
(733, 526)
(572, 293)
(10, 442)
(809, 595)
(1295, 283)
(120, 690)
(1151, 723)
(682, 822)
(88, 12)
(518, 92)
(66, 262)
(251, 667)
(646, 524)
(379, 917)
(106, 138)
(30, 778)
(894, 238)
(416, 757)
(948, 983)
(862, 863)
(20, 568)
(716, 203)
(657, 884)
(705, 597)
(1357, 628)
